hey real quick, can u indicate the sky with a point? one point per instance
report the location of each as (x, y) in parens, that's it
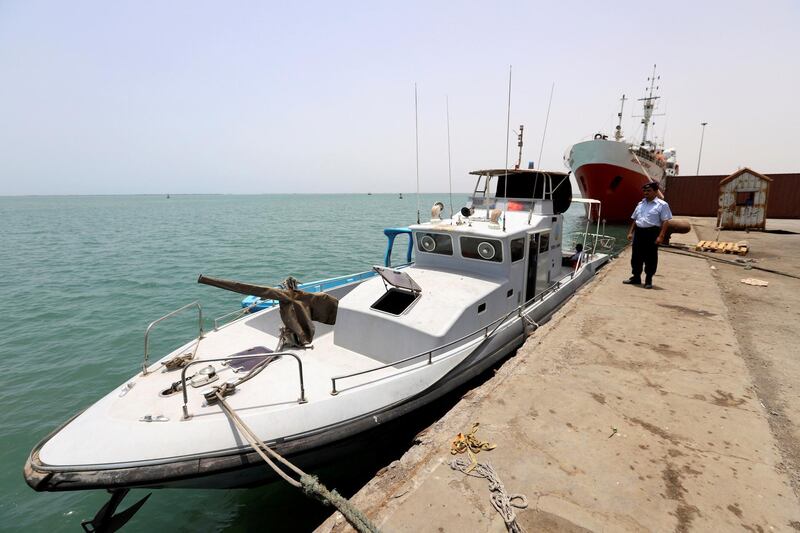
(146, 97)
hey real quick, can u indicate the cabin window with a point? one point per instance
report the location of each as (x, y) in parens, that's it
(483, 249)
(544, 242)
(395, 301)
(510, 293)
(517, 249)
(435, 243)
(482, 308)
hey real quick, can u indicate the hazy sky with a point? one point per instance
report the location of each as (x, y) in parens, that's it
(106, 97)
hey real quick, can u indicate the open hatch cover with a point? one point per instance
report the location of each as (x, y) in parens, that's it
(398, 279)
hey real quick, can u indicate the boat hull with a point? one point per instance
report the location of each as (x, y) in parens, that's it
(608, 171)
(242, 467)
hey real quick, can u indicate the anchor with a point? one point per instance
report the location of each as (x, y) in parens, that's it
(105, 521)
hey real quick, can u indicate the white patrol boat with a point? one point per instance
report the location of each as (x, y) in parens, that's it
(382, 346)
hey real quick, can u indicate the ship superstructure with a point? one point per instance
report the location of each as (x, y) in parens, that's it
(614, 170)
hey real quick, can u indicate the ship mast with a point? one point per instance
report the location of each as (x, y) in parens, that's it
(519, 143)
(618, 131)
(649, 104)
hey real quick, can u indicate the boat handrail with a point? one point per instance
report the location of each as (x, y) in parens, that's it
(238, 312)
(391, 233)
(186, 414)
(603, 242)
(169, 315)
(429, 353)
(530, 302)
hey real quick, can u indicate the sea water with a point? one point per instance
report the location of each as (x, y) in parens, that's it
(81, 278)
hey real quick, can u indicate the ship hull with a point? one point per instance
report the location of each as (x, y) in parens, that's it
(608, 171)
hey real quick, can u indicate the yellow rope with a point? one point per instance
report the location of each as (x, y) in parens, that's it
(470, 444)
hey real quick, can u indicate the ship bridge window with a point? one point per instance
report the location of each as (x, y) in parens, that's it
(514, 187)
(483, 249)
(435, 243)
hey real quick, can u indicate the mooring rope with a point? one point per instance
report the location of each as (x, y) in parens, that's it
(674, 249)
(503, 502)
(471, 444)
(310, 484)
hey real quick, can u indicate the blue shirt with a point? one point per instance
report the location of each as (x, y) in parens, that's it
(651, 214)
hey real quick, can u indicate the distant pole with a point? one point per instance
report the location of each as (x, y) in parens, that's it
(508, 130)
(508, 117)
(416, 144)
(546, 120)
(700, 153)
(449, 166)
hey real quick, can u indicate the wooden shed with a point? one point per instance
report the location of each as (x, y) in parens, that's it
(743, 200)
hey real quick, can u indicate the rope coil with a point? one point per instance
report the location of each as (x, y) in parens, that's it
(503, 502)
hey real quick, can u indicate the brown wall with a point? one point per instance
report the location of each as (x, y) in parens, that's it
(699, 195)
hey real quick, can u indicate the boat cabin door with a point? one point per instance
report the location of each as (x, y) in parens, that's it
(538, 271)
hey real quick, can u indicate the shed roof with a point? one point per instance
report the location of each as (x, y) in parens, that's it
(742, 171)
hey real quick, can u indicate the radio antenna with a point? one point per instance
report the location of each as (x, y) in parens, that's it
(416, 142)
(546, 120)
(508, 130)
(618, 131)
(449, 166)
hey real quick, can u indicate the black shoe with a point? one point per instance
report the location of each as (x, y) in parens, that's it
(632, 281)
(648, 285)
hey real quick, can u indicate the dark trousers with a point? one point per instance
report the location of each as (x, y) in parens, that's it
(645, 251)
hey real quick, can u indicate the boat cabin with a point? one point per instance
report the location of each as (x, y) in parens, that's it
(511, 227)
(500, 252)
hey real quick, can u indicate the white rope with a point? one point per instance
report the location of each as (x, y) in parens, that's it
(503, 502)
(530, 321)
(310, 484)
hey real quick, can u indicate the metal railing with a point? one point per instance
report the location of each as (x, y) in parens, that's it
(168, 315)
(238, 313)
(484, 330)
(253, 302)
(187, 416)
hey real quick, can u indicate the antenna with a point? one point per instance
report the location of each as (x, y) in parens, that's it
(508, 129)
(649, 104)
(618, 132)
(546, 120)
(416, 141)
(519, 143)
(449, 167)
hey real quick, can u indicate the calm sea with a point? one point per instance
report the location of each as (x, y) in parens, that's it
(82, 277)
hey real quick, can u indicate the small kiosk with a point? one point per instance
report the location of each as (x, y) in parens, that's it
(743, 200)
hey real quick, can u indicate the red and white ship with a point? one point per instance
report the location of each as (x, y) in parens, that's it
(613, 171)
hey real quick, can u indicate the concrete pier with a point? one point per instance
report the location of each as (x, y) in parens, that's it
(672, 409)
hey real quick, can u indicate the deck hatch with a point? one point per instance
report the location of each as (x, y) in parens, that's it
(401, 291)
(398, 279)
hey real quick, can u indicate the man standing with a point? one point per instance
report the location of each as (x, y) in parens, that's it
(648, 228)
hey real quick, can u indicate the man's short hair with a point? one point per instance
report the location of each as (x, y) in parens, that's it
(651, 185)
